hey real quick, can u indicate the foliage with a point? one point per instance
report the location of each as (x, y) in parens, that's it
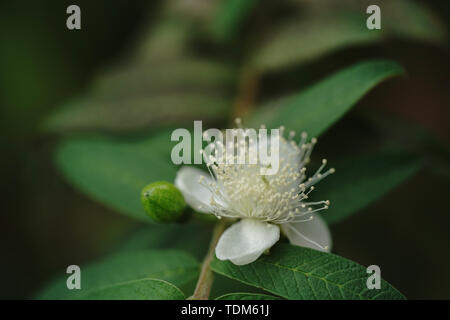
(166, 84)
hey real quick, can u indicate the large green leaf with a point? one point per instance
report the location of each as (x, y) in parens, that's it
(223, 285)
(314, 36)
(144, 289)
(318, 107)
(134, 114)
(113, 171)
(322, 27)
(360, 180)
(175, 267)
(146, 95)
(247, 296)
(184, 74)
(193, 238)
(412, 20)
(302, 273)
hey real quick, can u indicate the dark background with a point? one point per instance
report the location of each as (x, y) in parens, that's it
(45, 224)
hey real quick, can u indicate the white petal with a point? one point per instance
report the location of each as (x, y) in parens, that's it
(246, 240)
(316, 230)
(196, 195)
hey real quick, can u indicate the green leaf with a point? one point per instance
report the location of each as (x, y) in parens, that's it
(302, 273)
(144, 289)
(229, 17)
(247, 296)
(223, 285)
(319, 28)
(412, 20)
(317, 108)
(167, 39)
(161, 84)
(314, 37)
(177, 267)
(147, 95)
(135, 114)
(114, 171)
(193, 238)
(183, 74)
(362, 179)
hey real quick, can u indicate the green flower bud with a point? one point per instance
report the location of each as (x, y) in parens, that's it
(162, 201)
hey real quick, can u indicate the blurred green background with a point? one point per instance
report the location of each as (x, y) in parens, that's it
(46, 224)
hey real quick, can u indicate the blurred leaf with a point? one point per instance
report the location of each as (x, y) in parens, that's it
(114, 171)
(229, 17)
(325, 26)
(162, 83)
(166, 40)
(410, 19)
(138, 113)
(307, 39)
(150, 95)
(184, 74)
(301, 273)
(318, 107)
(362, 179)
(193, 238)
(143, 289)
(247, 296)
(176, 267)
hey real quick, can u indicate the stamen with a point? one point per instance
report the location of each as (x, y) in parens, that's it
(239, 191)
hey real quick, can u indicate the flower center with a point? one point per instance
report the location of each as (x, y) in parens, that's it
(241, 191)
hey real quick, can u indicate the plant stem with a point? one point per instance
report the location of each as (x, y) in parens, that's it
(248, 89)
(205, 280)
(243, 105)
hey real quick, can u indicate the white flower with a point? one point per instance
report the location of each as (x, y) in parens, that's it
(263, 203)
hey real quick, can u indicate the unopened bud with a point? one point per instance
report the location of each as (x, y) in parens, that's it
(162, 201)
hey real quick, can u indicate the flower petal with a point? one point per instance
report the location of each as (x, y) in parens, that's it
(246, 240)
(315, 230)
(195, 194)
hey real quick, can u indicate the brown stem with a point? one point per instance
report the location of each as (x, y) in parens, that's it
(205, 280)
(248, 89)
